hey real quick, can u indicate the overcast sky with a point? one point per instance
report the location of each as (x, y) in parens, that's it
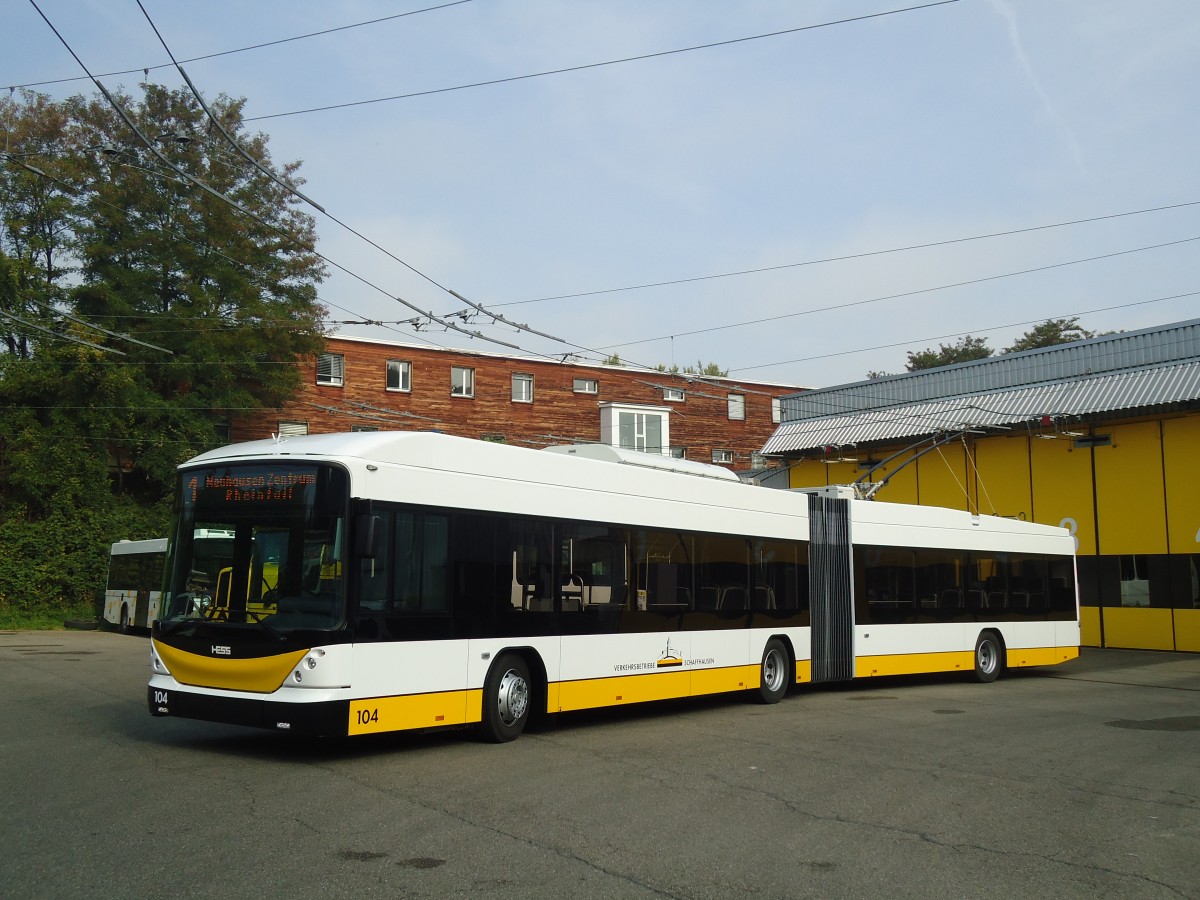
(777, 153)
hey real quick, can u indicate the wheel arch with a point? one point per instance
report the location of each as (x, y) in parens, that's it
(538, 675)
(791, 652)
(995, 630)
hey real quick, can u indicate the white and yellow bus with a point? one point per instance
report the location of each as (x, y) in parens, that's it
(386, 581)
(135, 580)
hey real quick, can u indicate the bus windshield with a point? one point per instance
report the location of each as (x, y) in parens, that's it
(259, 543)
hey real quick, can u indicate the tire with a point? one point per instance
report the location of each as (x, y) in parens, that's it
(988, 656)
(124, 626)
(773, 673)
(506, 699)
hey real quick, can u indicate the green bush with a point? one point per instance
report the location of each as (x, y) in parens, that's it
(53, 567)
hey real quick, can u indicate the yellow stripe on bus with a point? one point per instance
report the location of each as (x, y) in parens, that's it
(261, 675)
(958, 661)
(414, 711)
(913, 663)
(1041, 656)
(620, 690)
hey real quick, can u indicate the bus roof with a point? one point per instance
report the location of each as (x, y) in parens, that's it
(154, 545)
(473, 474)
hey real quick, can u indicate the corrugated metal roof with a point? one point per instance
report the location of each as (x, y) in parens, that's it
(1164, 345)
(1086, 395)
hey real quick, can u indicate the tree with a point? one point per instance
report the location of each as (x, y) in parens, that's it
(141, 311)
(711, 369)
(1050, 333)
(967, 349)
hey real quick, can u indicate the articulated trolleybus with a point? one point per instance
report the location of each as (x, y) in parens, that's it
(385, 581)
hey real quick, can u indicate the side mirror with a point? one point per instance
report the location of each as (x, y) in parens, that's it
(366, 535)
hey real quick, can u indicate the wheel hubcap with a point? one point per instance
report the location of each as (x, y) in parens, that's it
(987, 657)
(513, 697)
(773, 668)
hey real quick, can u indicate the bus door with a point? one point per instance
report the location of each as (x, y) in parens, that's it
(831, 589)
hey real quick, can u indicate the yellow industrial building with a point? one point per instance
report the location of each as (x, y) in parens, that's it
(1101, 436)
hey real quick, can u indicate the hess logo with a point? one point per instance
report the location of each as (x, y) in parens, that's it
(218, 650)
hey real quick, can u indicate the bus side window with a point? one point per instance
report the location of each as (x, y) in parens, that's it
(533, 566)
(422, 562)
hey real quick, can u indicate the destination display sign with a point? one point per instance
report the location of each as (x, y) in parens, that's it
(250, 485)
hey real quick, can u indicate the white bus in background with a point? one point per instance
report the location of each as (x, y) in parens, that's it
(135, 580)
(136, 570)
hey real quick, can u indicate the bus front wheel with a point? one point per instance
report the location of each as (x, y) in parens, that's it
(988, 654)
(773, 678)
(506, 696)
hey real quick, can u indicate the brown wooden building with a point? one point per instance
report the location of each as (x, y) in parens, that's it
(363, 384)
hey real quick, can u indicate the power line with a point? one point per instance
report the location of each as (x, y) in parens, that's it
(597, 65)
(248, 157)
(942, 337)
(942, 287)
(863, 255)
(233, 203)
(298, 37)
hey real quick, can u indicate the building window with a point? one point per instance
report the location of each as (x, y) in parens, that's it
(722, 456)
(636, 427)
(673, 395)
(776, 410)
(292, 428)
(399, 375)
(640, 431)
(462, 381)
(493, 438)
(678, 452)
(737, 407)
(330, 369)
(364, 428)
(522, 388)
(586, 386)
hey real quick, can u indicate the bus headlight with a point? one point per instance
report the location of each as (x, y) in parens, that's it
(156, 665)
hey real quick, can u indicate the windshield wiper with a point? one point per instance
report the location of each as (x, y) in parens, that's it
(261, 621)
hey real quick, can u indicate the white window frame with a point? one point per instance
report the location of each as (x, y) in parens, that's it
(292, 429)
(364, 428)
(585, 386)
(737, 407)
(722, 457)
(610, 424)
(462, 381)
(776, 410)
(331, 370)
(522, 387)
(404, 367)
(674, 395)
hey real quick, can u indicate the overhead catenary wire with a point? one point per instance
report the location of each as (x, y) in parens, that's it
(238, 206)
(866, 254)
(209, 248)
(442, 321)
(485, 311)
(259, 46)
(903, 294)
(58, 334)
(959, 334)
(597, 65)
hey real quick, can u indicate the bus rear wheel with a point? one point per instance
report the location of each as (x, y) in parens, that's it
(773, 677)
(988, 654)
(124, 626)
(506, 699)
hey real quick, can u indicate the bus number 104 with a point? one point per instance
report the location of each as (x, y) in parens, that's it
(368, 716)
